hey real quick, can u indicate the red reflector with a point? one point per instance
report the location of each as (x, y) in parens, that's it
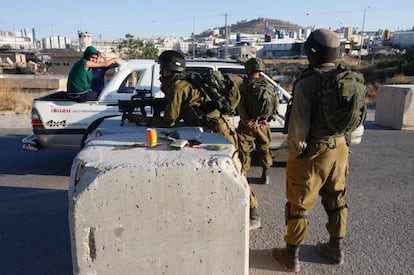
(37, 123)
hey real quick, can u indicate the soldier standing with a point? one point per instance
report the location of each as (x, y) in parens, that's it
(318, 160)
(258, 105)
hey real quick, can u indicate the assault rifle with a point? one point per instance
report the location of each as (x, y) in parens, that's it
(140, 103)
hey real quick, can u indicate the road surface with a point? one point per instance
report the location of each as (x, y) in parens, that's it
(34, 234)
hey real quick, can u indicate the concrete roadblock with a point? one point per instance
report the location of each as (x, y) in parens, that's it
(152, 210)
(395, 107)
(34, 82)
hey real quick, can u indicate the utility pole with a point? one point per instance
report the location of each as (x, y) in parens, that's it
(14, 35)
(362, 35)
(227, 36)
(193, 39)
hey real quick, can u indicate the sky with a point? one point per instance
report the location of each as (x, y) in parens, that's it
(109, 20)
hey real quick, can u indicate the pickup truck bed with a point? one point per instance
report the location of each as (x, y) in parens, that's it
(62, 95)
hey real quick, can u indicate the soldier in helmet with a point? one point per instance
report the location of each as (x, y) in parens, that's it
(184, 101)
(317, 164)
(253, 130)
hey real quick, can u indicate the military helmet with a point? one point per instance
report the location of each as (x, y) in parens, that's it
(322, 45)
(254, 64)
(173, 60)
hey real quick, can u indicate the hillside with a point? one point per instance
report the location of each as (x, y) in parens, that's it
(257, 26)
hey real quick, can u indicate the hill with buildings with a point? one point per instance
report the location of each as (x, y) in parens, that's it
(258, 26)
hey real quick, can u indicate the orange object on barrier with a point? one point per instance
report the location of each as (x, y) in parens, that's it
(152, 137)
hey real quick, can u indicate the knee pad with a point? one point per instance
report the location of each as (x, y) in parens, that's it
(335, 210)
(292, 217)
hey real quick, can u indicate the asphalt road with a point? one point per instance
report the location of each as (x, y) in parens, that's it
(34, 225)
(34, 234)
(380, 218)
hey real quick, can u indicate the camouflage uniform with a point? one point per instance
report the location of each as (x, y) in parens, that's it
(184, 101)
(318, 161)
(317, 164)
(250, 138)
(247, 136)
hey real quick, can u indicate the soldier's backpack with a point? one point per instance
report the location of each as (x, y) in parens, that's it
(342, 97)
(221, 91)
(262, 100)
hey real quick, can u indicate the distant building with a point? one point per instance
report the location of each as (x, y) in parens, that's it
(348, 32)
(85, 40)
(242, 52)
(279, 48)
(21, 40)
(403, 39)
(56, 42)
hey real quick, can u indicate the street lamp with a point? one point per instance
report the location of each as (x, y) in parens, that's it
(362, 35)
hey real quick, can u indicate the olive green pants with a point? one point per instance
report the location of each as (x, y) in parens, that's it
(319, 171)
(227, 131)
(249, 140)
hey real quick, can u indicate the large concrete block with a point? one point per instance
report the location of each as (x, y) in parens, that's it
(139, 210)
(395, 107)
(34, 82)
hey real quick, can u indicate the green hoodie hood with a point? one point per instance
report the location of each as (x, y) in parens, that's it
(89, 52)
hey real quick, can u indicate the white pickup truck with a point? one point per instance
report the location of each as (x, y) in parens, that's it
(60, 123)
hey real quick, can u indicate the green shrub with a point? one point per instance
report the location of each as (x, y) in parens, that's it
(389, 62)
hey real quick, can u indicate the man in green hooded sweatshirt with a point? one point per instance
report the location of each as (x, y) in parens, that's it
(80, 76)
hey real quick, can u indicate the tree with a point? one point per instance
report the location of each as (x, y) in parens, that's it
(409, 55)
(149, 51)
(130, 47)
(5, 47)
(133, 48)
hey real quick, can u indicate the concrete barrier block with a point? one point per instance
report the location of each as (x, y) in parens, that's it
(139, 210)
(34, 82)
(395, 107)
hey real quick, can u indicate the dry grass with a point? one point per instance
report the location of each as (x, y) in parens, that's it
(398, 79)
(14, 100)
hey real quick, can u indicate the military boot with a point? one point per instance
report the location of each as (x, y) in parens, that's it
(333, 250)
(289, 257)
(255, 222)
(265, 178)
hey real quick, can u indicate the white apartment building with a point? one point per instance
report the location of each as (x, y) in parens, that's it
(403, 39)
(18, 39)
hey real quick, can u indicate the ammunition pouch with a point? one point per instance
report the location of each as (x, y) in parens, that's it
(331, 142)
